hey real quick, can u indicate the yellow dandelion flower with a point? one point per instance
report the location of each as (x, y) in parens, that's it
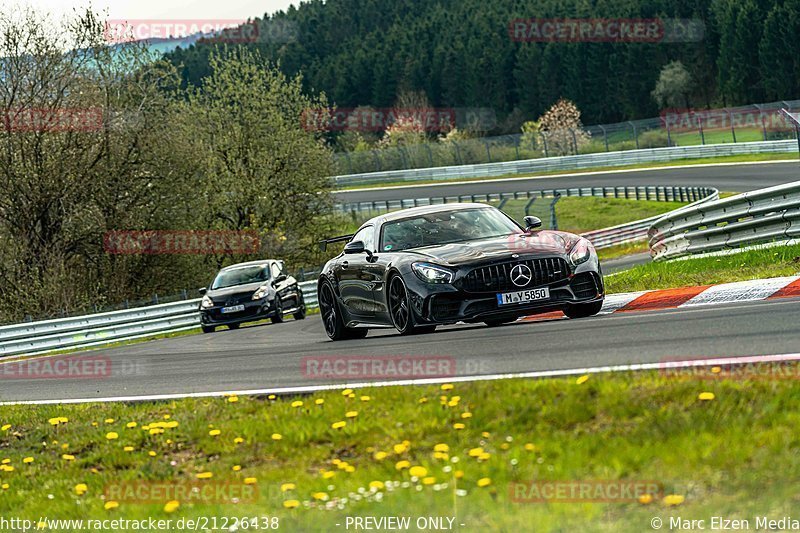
(458, 425)
(68, 457)
(377, 485)
(111, 435)
(441, 448)
(151, 453)
(349, 469)
(156, 431)
(365, 398)
(339, 425)
(297, 403)
(716, 370)
(418, 471)
(347, 392)
(81, 489)
(233, 399)
(4, 486)
(290, 504)
(380, 456)
(63, 419)
(706, 396)
(400, 448)
(505, 446)
(277, 436)
(673, 499)
(351, 414)
(214, 432)
(28, 460)
(286, 487)
(8, 468)
(486, 434)
(236, 468)
(109, 420)
(447, 386)
(131, 425)
(271, 397)
(581, 380)
(238, 440)
(475, 452)
(250, 481)
(428, 480)
(319, 401)
(423, 400)
(484, 456)
(5, 461)
(645, 499)
(128, 448)
(5, 427)
(351, 395)
(441, 455)
(458, 474)
(484, 482)
(328, 474)
(466, 415)
(205, 475)
(167, 417)
(322, 496)
(400, 465)
(111, 505)
(54, 421)
(171, 506)
(530, 447)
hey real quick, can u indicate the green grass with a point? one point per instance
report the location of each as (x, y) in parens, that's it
(752, 264)
(620, 250)
(734, 456)
(678, 162)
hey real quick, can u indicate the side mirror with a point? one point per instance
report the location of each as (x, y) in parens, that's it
(532, 223)
(281, 278)
(355, 247)
(202, 291)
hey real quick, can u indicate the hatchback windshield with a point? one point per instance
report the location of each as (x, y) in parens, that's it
(241, 276)
(446, 227)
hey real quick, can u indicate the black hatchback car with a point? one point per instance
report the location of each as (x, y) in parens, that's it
(418, 268)
(248, 292)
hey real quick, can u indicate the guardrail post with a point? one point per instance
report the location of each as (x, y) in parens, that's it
(635, 134)
(459, 161)
(488, 151)
(553, 219)
(544, 142)
(733, 128)
(669, 135)
(502, 203)
(529, 205)
(763, 124)
(702, 135)
(605, 137)
(574, 140)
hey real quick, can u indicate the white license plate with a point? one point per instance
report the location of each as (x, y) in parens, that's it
(233, 309)
(521, 297)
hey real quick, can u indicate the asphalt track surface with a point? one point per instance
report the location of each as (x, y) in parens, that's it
(272, 356)
(738, 178)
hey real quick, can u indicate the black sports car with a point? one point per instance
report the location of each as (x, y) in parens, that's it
(248, 292)
(418, 268)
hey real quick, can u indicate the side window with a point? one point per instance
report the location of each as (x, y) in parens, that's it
(367, 236)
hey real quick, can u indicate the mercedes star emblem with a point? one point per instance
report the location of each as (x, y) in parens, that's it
(521, 275)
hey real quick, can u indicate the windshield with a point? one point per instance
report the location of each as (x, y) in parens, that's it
(240, 276)
(446, 227)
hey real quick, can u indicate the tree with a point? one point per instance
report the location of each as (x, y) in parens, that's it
(562, 129)
(673, 86)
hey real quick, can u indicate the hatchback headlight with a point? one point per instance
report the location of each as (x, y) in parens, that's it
(431, 273)
(207, 303)
(581, 252)
(261, 293)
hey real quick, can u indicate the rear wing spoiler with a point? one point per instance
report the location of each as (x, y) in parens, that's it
(323, 244)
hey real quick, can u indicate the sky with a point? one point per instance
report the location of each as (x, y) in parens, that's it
(159, 9)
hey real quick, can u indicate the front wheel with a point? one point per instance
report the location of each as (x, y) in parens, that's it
(208, 329)
(278, 318)
(300, 314)
(583, 310)
(332, 319)
(400, 309)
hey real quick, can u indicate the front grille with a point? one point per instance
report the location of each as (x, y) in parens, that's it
(584, 285)
(236, 299)
(498, 277)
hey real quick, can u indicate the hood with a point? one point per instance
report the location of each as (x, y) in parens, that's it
(543, 243)
(236, 290)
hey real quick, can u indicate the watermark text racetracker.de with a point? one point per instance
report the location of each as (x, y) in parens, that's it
(70, 367)
(390, 367)
(585, 491)
(118, 31)
(732, 368)
(606, 30)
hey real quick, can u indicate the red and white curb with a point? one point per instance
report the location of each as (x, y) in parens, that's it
(742, 291)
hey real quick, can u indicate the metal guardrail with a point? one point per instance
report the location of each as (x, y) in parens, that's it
(761, 216)
(31, 338)
(570, 162)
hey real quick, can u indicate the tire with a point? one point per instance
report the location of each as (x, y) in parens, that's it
(208, 329)
(400, 309)
(233, 326)
(332, 317)
(300, 314)
(583, 310)
(499, 322)
(278, 318)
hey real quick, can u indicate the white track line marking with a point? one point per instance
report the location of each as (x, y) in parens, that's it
(664, 365)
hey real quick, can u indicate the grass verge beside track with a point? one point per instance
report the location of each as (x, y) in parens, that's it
(753, 264)
(735, 455)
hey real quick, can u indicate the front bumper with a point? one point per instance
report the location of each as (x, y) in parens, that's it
(448, 304)
(253, 311)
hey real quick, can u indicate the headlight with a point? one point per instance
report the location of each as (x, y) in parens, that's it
(207, 303)
(581, 252)
(431, 273)
(261, 293)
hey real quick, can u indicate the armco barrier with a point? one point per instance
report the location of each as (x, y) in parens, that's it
(32, 338)
(570, 162)
(765, 215)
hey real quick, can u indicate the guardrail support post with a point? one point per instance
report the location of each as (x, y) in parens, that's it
(733, 128)
(553, 219)
(605, 137)
(529, 205)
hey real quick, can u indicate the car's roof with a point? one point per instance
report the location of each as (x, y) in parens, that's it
(262, 262)
(427, 209)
